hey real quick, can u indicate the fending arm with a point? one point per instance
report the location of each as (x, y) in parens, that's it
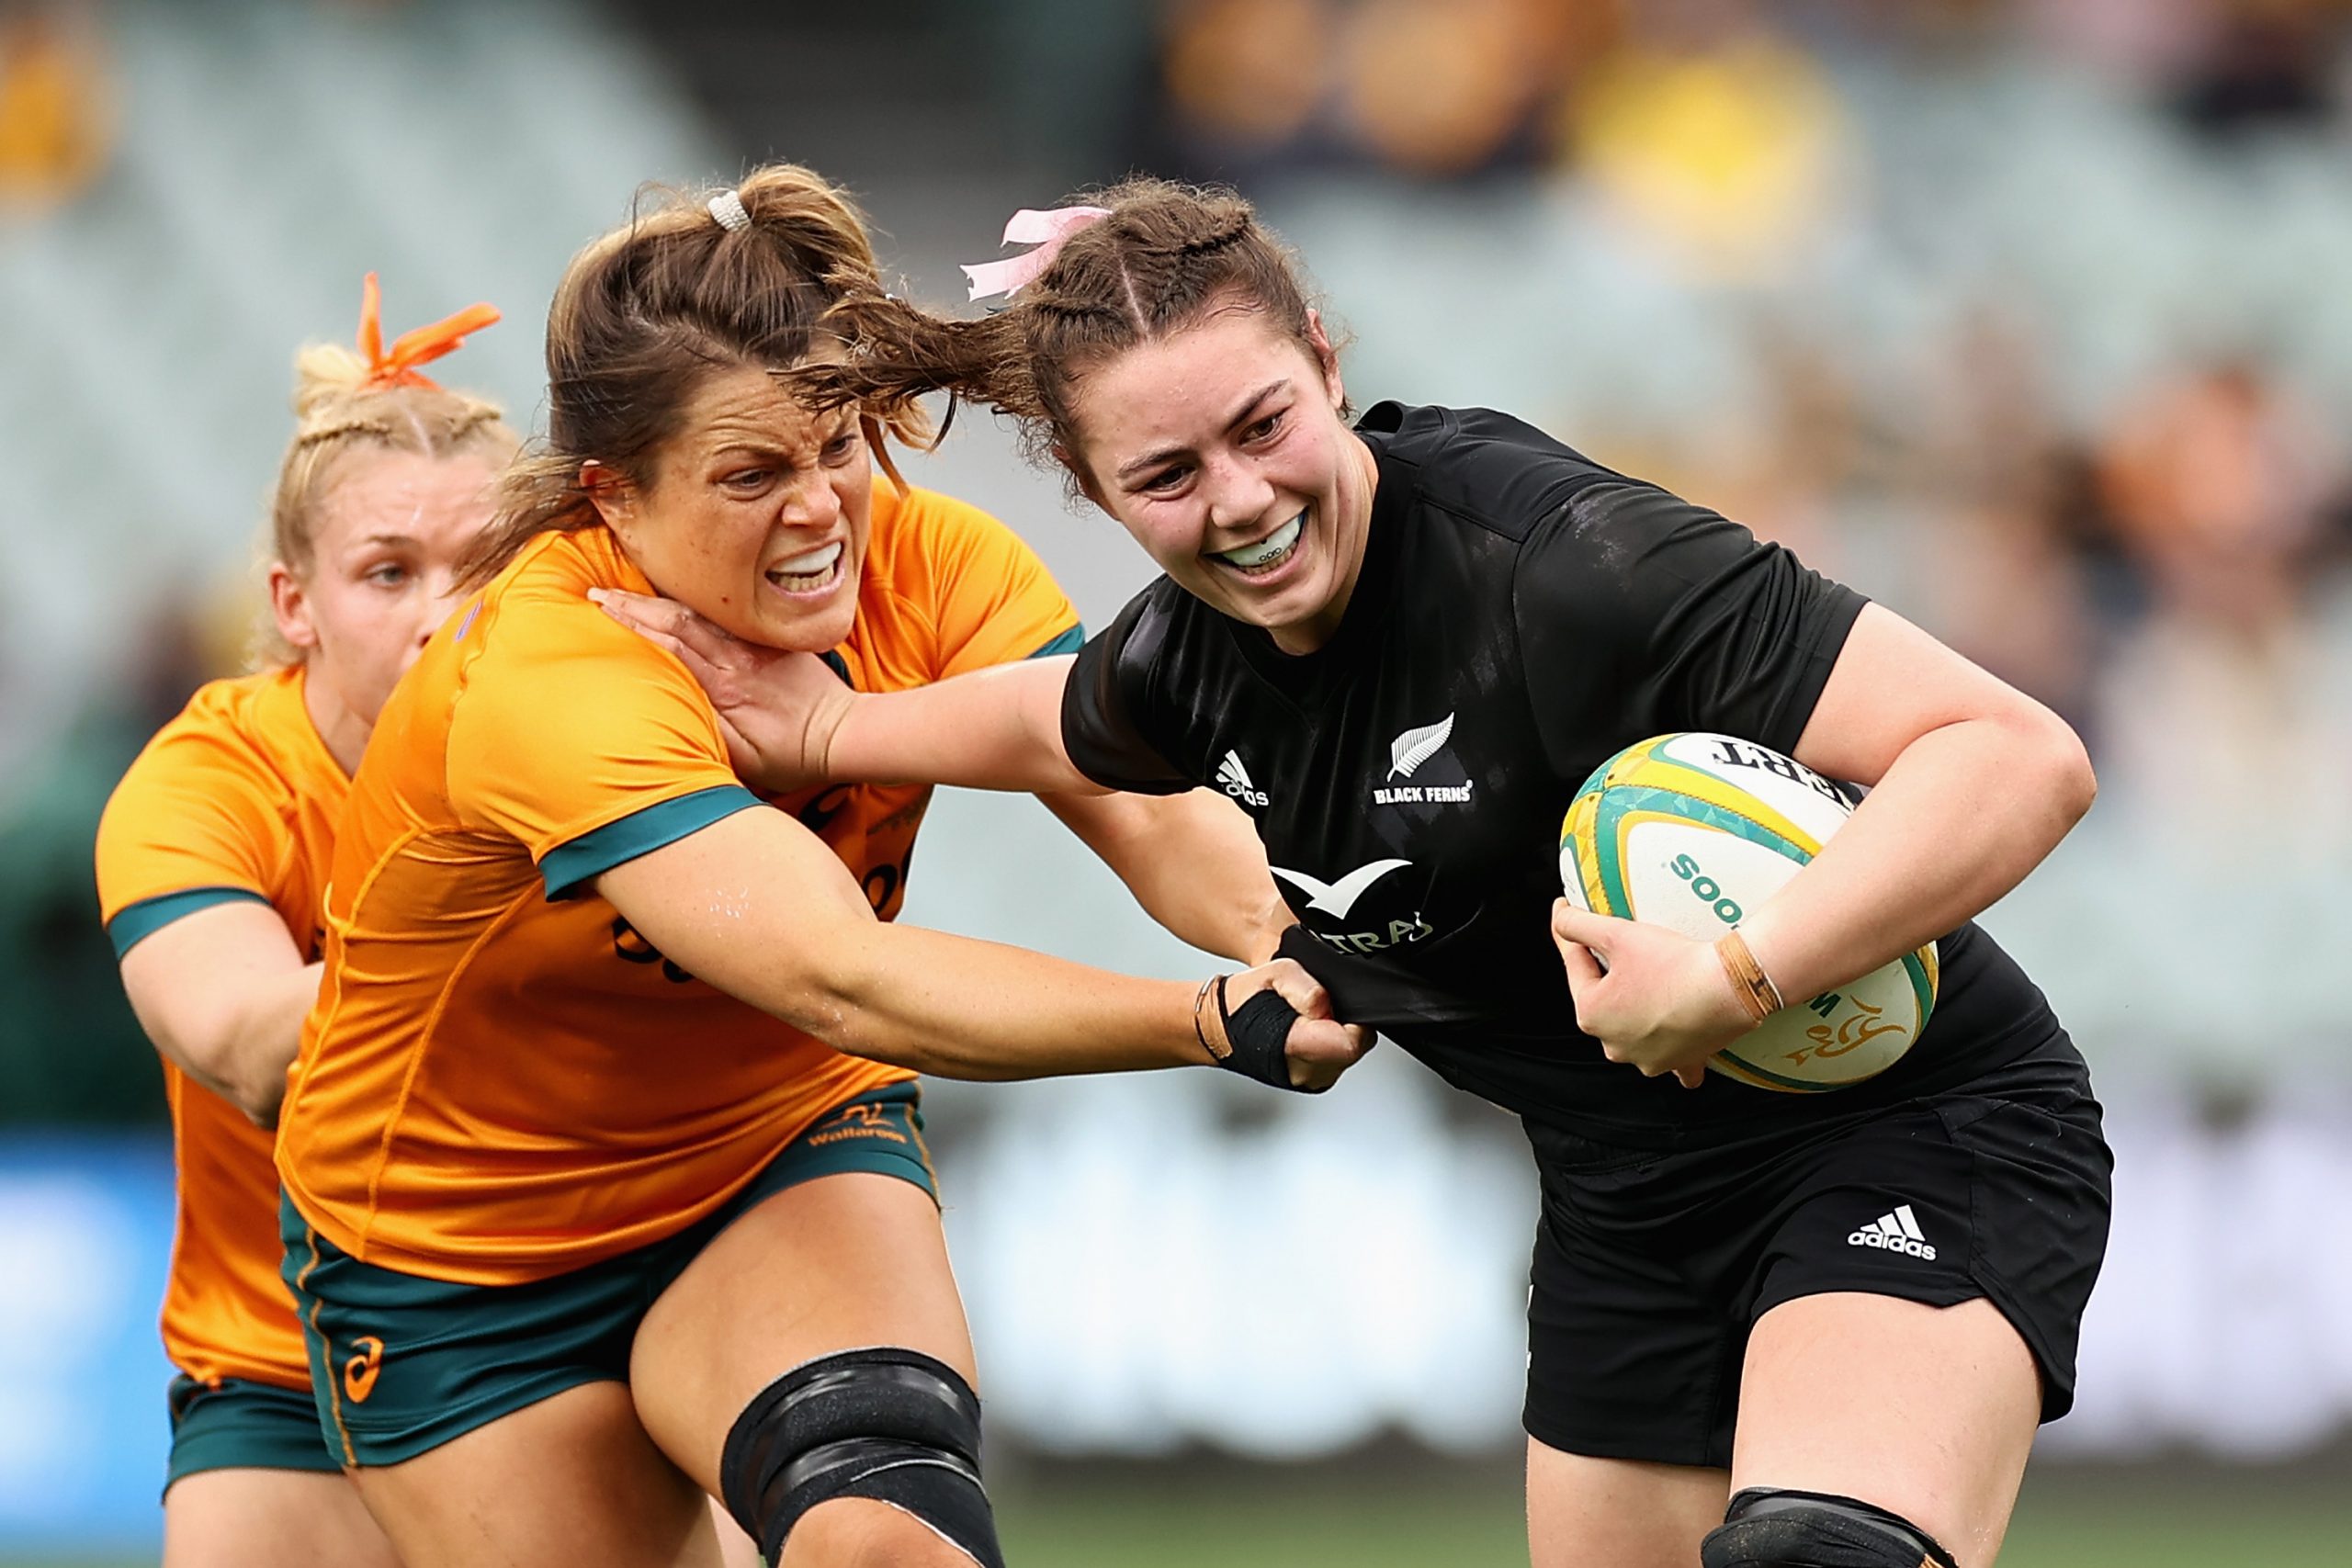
(757, 906)
(789, 721)
(995, 728)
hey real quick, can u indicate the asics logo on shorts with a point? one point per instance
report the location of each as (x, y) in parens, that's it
(1895, 1232)
(359, 1372)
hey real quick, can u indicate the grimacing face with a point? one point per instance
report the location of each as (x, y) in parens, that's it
(1221, 449)
(381, 578)
(755, 515)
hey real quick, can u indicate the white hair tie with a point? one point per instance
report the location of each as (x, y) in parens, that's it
(727, 207)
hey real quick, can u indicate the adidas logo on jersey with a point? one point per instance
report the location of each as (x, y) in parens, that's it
(1896, 1232)
(1234, 779)
(1409, 752)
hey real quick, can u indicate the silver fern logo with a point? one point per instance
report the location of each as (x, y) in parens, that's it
(1413, 748)
(1407, 752)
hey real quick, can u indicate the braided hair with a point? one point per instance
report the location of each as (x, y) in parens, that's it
(342, 407)
(1163, 257)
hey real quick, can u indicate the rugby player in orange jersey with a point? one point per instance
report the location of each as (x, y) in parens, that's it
(586, 1216)
(212, 861)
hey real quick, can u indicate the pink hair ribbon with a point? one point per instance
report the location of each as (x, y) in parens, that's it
(1048, 231)
(411, 349)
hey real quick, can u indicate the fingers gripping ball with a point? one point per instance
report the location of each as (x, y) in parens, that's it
(1693, 830)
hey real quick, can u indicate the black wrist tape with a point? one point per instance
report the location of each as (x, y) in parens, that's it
(1258, 1031)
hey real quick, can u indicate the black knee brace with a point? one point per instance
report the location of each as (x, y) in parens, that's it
(1766, 1526)
(895, 1425)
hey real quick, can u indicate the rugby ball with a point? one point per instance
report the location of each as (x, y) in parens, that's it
(1693, 830)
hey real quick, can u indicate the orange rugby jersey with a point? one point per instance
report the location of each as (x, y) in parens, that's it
(503, 1080)
(235, 798)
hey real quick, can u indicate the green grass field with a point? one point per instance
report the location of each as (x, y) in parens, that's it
(1223, 1517)
(1386, 1523)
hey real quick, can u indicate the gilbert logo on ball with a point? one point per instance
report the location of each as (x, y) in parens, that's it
(1693, 830)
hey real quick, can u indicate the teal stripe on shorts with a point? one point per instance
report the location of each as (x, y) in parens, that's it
(403, 1364)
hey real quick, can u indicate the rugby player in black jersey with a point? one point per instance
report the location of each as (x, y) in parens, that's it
(1765, 1329)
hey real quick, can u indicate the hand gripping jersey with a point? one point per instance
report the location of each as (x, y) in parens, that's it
(503, 1080)
(1522, 613)
(236, 799)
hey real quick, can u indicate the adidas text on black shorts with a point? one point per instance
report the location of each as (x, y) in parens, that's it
(1651, 1268)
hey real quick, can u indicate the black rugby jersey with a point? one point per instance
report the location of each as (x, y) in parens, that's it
(1523, 614)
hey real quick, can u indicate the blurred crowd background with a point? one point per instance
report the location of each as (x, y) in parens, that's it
(2028, 317)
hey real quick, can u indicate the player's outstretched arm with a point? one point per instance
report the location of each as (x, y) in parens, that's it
(222, 993)
(790, 722)
(1193, 860)
(995, 728)
(758, 907)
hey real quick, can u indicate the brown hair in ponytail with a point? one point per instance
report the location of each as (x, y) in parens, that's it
(1166, 254)
(644, 314)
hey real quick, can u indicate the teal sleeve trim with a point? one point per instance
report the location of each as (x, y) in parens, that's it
(567, 866)
(135, 923)
(1069, 641)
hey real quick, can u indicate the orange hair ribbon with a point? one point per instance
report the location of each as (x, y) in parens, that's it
(411, 348)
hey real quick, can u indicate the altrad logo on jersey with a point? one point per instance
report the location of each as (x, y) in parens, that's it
(1407, 753)
(1337, 898)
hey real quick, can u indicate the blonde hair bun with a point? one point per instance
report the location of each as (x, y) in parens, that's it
(339, 409)
(325, 375)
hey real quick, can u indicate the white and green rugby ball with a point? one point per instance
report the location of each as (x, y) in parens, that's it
(1693, 830)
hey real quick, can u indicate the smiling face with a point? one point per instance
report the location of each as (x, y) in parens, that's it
(1221, 447)
(380, 577)
(754, 514)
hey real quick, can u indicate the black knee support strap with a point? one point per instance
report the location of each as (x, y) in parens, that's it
(895, 1425)
(1766, 1526)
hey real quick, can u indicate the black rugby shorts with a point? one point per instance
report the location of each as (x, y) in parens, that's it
(1650, 1268)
